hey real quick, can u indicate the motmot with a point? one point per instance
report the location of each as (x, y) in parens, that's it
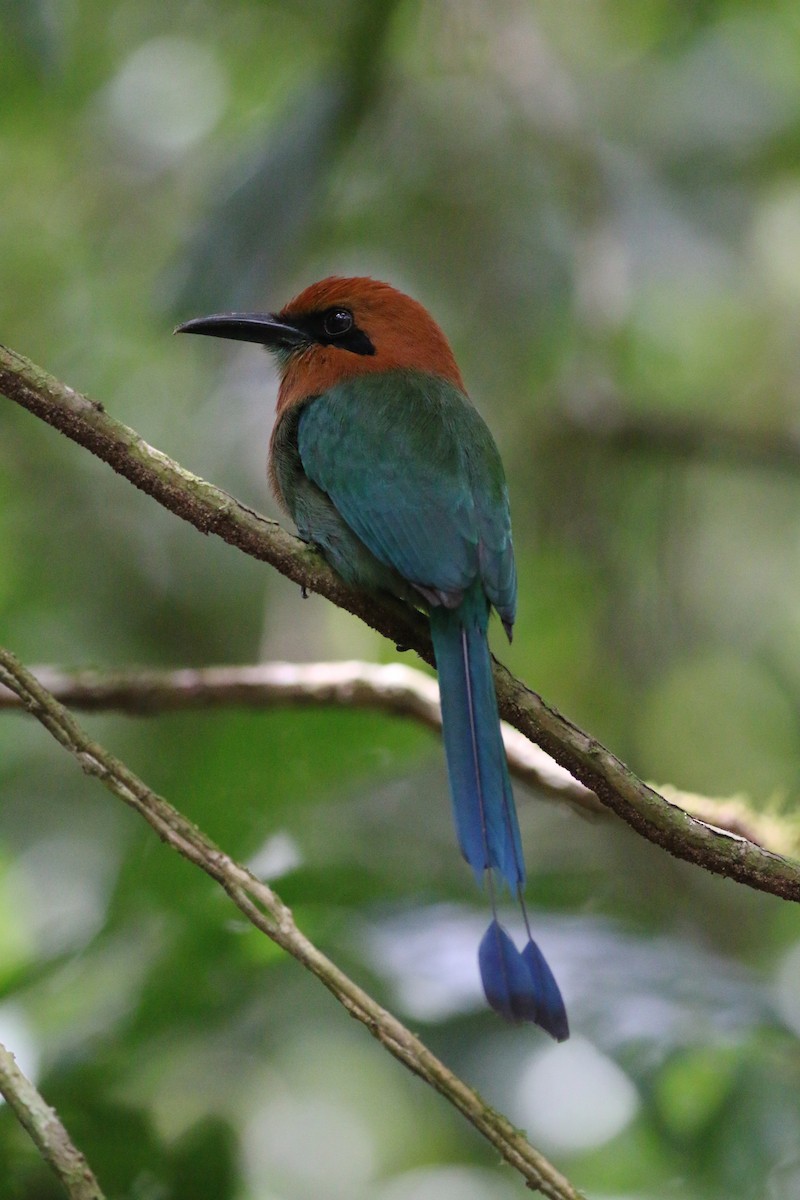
(383, 462)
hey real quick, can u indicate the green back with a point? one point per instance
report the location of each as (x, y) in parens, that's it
(412, 468)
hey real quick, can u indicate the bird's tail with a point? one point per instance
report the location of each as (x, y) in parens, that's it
(520, 986)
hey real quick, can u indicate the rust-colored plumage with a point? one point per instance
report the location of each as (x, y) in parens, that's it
(403, 333)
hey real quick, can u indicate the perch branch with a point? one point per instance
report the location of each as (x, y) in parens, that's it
(267, 912)
(213, 511)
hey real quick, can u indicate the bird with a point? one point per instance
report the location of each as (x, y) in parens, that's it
(384, 463)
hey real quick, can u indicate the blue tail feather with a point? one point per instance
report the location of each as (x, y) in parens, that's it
(519, 986)
(505, 976)
(480, 788)
(551, 1013)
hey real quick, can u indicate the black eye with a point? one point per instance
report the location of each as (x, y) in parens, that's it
(337, 322)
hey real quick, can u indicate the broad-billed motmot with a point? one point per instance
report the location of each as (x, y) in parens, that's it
(383, 462)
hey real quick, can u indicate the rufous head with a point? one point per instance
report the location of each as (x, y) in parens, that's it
(337, 329)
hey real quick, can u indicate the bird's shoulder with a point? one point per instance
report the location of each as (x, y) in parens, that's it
(403, 413)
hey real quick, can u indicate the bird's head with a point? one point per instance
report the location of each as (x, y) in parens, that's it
(337, 329)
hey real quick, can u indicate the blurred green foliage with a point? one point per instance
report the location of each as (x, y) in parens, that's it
(600, 201)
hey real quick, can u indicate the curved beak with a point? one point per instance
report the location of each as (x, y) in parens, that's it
(263, 328)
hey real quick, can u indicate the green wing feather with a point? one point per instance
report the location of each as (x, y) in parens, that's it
(412, 468)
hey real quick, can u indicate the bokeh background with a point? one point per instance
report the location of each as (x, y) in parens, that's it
(600, 201)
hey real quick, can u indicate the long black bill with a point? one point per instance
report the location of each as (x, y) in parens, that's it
(263, 328)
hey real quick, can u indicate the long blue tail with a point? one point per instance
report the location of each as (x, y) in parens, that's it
(520, 986)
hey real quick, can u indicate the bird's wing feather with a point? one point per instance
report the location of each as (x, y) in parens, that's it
(412, 468)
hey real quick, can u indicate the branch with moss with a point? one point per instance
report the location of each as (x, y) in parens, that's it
(393, 688)
(47, 1131)
(267, 912)
(213, 511)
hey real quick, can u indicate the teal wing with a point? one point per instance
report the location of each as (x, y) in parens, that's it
(413, 470)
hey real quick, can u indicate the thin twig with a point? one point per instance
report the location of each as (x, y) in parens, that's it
(214, 511)
(393, 688)
(267, 912)
(47, 1131)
